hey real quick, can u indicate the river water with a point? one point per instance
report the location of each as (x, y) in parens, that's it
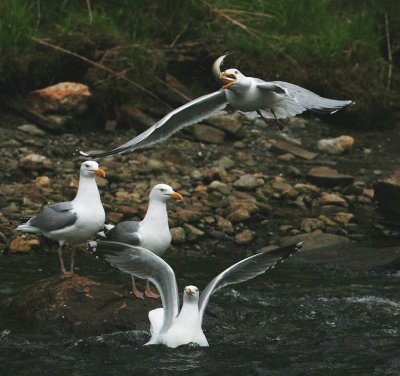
(299, 319)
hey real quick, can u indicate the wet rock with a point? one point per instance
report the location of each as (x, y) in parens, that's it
(282, 146)
(31, 129)
(71, 305)
(312, 224)
(246, 182)
(23, 244)
(244, 237)
(328, 177)
(336, 145)
(387, 193)
(208, 134)
(35, 162)
(65, 98)
(178, 235)
(327, 221)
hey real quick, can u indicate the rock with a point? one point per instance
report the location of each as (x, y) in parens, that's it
(135, 118)
(71, 305)
(225, 163)
(208, 134)
(31, 129)
(186, 215)
(332, 199)
(343, 217)
(244, 237)
(327, 221)
(22, 244)
(387, 193)
(35, 162)
(43, 181)
(216, 185)
(309, 189)
(282, 146)
(239, 215)
(328, 177)
(312, 224)
(336, 145)
(224, 225)
(64, 98)
(192, 232)
(178, 235)
(115, 217)
(246, 183)
(230, 123)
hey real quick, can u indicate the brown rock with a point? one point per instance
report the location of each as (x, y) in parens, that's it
(343, 218)
(178, 235)
(328, 177)
(244, 237)
(229, 123)
(65, 97)
(208, 134)
(332, 199)
(336, 145)
(22, 244)
(42, 181)
(71, 305)
(312, 224)
(239, 215)
(224, 225)
(387, 193)
(282, 146)
(35, 162)
(192, 232)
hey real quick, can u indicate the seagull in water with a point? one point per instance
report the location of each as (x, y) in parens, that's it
(151, 233)
(169, 326)
(249, 95)
(73, 221)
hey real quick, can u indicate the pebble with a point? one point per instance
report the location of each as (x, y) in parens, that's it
(336, 145)
(35, 162)
(244, 237)
(31, 129)
(246, 182)
(178, 235)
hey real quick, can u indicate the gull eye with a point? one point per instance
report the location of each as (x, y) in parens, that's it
(87, 165)
(163, 190)
(236, 72)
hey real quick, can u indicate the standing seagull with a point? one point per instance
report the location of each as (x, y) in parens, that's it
(252, 96)
(73, 221)
(151, 233)
(169, 326)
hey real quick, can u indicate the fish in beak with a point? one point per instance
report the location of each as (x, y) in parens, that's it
(228, 79)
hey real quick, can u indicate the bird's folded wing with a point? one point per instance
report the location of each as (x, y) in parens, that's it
(184, 116)
(55, 217)
(125, 232)
(142, 263)
(245, 270)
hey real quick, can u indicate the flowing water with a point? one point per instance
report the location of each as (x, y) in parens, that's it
(300, 319)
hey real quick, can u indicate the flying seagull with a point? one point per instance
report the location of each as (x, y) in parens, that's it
(169, 326)
(249, 95)
(72, 221)
(151, 233)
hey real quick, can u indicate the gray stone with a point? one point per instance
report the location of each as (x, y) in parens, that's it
(208, 134)
(282, 146)
(31, 129)
(387, 193)
(246, 182)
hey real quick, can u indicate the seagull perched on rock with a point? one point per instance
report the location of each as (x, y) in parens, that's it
(249, 95)
(169, 326)
(72, 221)
(151, 233)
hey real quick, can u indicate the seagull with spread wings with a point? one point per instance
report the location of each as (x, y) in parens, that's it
(72, 221)
(169, 325)
(250, 95)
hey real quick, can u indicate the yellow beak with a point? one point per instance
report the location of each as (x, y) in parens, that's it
(100, 172)
(227, 81)
(177, 196)
(190, 292)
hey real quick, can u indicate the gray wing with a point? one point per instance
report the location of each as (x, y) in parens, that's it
(143, 264)
(294, 100)
(184, 116)
(125, 232)
(54, 217)
(245, 270)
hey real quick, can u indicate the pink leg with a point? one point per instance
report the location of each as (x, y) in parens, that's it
(149, 293)
(135, 291)
(60, 257)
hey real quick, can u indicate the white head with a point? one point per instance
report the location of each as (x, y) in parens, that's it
(90, 169)
(164, 192)
(191, 294)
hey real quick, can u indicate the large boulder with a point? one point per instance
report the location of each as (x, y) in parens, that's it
(71, 305)
(387, 193)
